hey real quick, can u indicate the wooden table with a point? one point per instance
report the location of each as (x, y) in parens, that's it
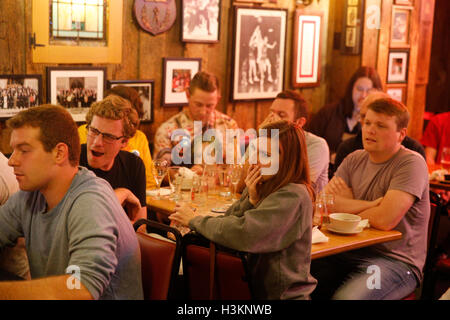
(340, 243)
(440, 185)
(336, 243)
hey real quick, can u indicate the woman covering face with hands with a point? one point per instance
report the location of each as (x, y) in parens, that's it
(272, 220)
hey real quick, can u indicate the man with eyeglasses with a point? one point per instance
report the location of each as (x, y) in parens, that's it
(110, 123)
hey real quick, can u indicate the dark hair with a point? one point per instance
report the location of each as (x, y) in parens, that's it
(115, 108)
(56, 126)
(130, 94)
(362, 72)
(301, 108)
(293, 159)
(391, 107)
(204, 81)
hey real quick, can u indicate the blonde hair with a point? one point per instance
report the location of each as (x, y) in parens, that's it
(114, 107)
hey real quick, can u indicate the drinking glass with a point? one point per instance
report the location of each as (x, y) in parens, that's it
(175, 181)
(210, 174)
(224, 180)
(323, 207)
(235, 177)
(445, 158)
(199, 191)
(159, 171)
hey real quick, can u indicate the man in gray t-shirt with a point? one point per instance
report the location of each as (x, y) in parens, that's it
(80, 243)
(388, 185)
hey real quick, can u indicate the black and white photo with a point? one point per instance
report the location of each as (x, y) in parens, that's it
(201, 20)
(75, 88)
(259, 53)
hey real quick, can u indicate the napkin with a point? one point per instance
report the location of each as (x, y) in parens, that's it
(318, 236)
(154, 192)
(438, 174)
(188, 176)
(364, 224)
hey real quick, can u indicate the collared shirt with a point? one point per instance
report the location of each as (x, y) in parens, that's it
(182, 120)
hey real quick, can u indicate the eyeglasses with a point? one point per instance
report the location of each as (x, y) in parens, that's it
(107, 137)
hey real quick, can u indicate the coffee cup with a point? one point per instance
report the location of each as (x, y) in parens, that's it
(344, 222)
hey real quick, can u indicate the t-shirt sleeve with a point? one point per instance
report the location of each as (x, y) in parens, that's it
(431, 135)
(93, 242)
(272, 226)
(140, 181)
(318, 158)
(411, 176)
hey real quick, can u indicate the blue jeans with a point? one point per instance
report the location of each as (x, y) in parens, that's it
(362, 275)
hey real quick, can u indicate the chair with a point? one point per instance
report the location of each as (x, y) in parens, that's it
(434, 267)
(160, 259)
(227, 269)
(433, 224)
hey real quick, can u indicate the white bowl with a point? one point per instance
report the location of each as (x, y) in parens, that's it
(344, 222)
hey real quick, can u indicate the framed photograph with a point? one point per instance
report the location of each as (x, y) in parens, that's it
(200, 21)
(145, 90)
(19, 92)
(352, 27)
(397, 92)
(306, 48)
(401, 17)
(177, 74)
(75, 88)
(397, 66)
(259, 53)
(405, 2)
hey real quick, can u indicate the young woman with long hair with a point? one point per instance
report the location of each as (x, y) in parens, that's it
(272, 220)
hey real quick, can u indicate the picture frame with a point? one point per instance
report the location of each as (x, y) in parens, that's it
(258, 32)
(19, 92)
(400, 27)
(398, 66)
(307, 48)
(405, 2)
(177, 73)
(397, 92)
(200, 22)
(145, 89)
(352, 27)
(75, 88)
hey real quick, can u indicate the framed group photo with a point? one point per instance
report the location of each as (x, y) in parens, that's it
(75, 88)
(401, 17)
(306, 49)
(19, 92)
(144, 88)
(177, 74)
(397, 66)
(200, 21)
(259, 53)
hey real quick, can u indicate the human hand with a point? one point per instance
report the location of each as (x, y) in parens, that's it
(252, 180)
(183, 214)
(131, 203)
(338, 187)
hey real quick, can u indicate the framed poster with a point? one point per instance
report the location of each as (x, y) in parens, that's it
(177, 74)
(397, 92)
(75, 88)
(259, 53)
(200, 21)
(19, 92)
(306, 48)
(401, 17)
(352, 27)
(145, 90)
(397, 66)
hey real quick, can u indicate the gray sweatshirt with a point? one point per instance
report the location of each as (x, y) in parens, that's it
(87, 230)
(277, 234)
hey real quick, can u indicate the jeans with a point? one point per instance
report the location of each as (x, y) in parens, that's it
(362, 275)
